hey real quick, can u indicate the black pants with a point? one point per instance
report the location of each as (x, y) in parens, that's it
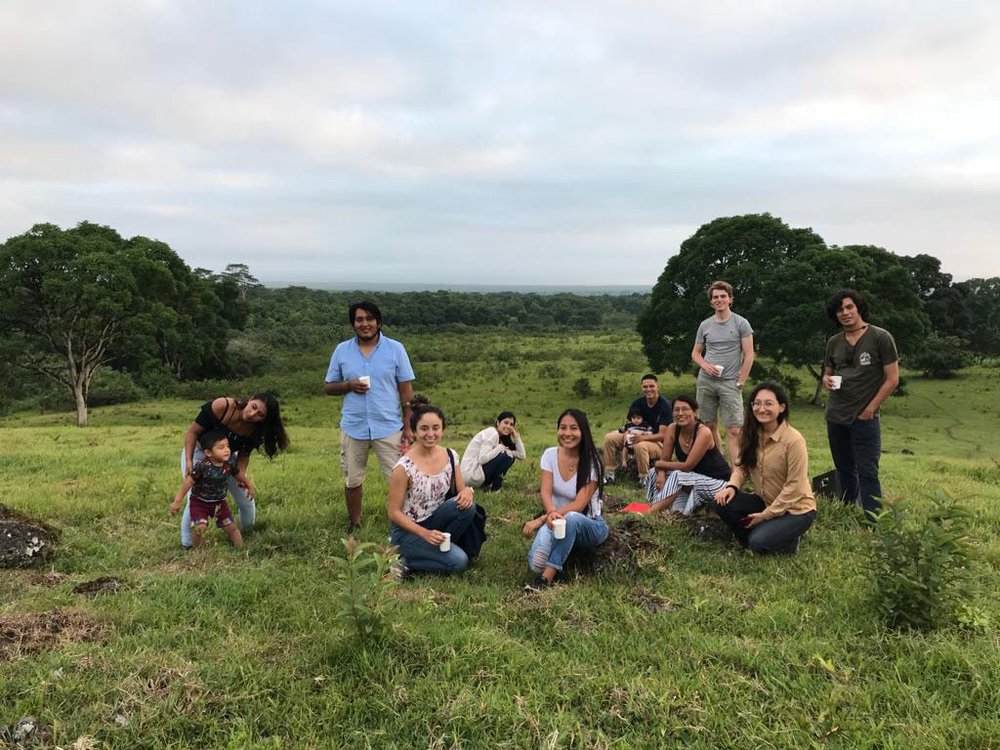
(493, 471)
(779, 534)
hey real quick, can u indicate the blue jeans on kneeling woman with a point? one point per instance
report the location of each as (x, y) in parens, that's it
(581, 531)
(419, 555)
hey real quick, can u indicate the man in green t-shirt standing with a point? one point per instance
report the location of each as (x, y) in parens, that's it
(860, 370)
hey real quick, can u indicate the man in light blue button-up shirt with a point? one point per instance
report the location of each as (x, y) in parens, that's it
(373, 374)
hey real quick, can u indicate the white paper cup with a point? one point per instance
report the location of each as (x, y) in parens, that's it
(366, 379)
(559, 528)
(719, 369)
(446, 544)
(836, 381)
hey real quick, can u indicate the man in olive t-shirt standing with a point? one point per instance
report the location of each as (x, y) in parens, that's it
(860, 370)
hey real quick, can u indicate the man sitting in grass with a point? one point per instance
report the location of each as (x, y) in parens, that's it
(656, 414)
(208, 482)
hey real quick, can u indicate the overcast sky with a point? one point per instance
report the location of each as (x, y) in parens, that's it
(542, 142)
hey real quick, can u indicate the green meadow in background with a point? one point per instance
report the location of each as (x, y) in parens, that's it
(691, 644)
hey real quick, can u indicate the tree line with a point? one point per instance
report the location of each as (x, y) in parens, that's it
(782, 276)
(85, 303)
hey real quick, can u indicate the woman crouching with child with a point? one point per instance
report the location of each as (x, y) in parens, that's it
(429, 507)
(774, 455)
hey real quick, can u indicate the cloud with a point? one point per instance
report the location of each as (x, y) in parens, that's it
(576, 141)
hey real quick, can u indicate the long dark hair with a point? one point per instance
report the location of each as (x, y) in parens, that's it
(589, 457)
(506, 440)
(274, 439)
(750, 435)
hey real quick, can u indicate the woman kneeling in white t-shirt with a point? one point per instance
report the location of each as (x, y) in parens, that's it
(571, 493)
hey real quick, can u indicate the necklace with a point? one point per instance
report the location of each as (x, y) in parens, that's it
(569, 460)
(687, 440)
(853, 336)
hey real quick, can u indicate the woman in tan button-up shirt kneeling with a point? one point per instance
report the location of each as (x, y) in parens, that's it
(773, 454)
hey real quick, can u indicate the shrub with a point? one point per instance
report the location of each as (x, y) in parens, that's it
(920, 572)
(761, 371)
(942, 356)
(248, 356)
(551, 371)
(609, 387)
(582, 387)
(361, 583)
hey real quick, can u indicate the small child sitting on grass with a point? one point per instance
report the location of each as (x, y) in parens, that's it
(207, 483)
(634, 426)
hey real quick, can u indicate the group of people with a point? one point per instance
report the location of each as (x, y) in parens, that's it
(679, 459)
(435, 521)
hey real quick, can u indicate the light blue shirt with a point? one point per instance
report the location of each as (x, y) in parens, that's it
(374, 414)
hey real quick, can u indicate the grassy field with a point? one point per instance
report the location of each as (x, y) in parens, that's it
(692, 643)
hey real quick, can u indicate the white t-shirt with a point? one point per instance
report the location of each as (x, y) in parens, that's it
(564, 492)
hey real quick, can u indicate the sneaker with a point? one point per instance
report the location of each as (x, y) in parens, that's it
(400, 571)
(538, 585)
(609, 478)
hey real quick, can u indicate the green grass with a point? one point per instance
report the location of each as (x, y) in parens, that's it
(227, 648)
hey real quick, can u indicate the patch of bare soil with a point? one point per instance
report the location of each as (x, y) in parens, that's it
(628, 542)
(26, 634)
(104, 585)
(24, 542)
(708, 527)
(612, 503)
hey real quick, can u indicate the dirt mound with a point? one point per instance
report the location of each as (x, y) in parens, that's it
(25, 634)
(708, 527)
(24, 542)
(612, 503)
(626, 542)
(105, 585)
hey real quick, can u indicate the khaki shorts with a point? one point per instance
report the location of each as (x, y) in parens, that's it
(354, 456)
(716, 395)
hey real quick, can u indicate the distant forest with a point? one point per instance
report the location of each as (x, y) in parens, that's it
(88, 315)
(301, 316)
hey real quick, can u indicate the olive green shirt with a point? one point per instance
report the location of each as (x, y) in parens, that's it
(862, 367)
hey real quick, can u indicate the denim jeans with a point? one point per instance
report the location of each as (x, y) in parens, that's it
(581, 531)
(246, 509)
(493, 471)
(856, 449)
(419, 555)
(779, 534)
